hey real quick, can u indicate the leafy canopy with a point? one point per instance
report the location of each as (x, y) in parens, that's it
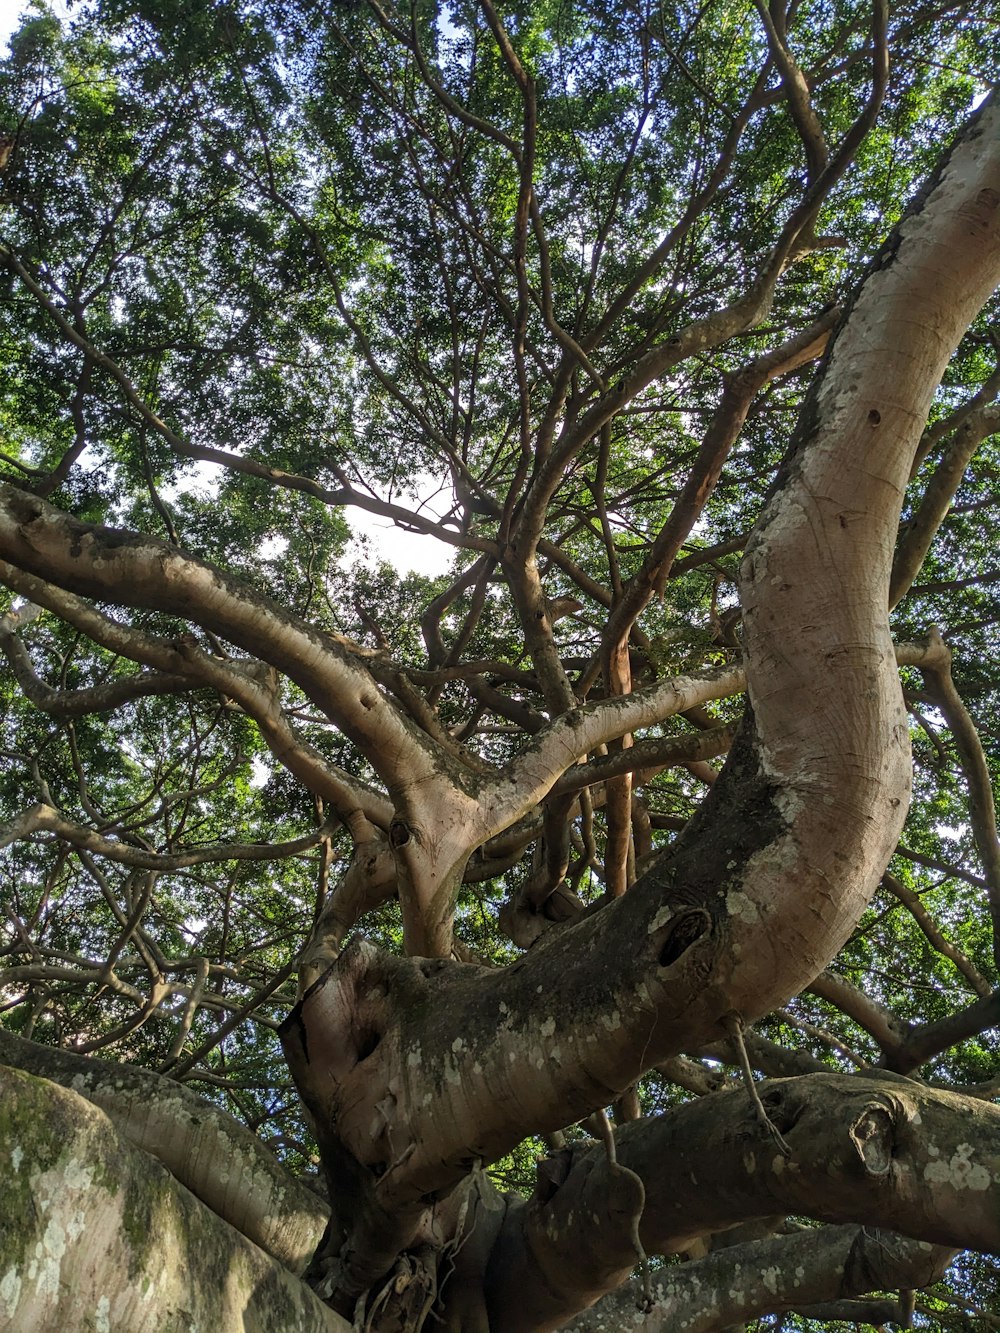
(265, 263)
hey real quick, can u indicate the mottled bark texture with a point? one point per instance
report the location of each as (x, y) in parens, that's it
(898, 1155)
(815, 1273)
(206, 1150)
(97, 1234)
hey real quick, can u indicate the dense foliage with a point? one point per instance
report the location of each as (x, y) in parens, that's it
(266, 267)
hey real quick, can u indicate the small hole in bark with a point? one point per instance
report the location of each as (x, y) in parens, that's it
(874, 417)
(873, 1137)
(781, 1115)
(682, 932)
(369, 1042)
(399, 833)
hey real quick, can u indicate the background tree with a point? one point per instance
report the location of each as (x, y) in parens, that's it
(551, 286)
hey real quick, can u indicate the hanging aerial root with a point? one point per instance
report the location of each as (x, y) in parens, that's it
(734, 1026)
(608, 1138)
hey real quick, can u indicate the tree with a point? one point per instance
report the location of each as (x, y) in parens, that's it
(641, 295)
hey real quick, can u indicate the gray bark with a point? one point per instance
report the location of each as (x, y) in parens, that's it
(96, 1234)
(889, 1152)
(202, 1147)
(788, 1273)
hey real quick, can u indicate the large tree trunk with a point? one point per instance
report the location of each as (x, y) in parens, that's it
(96, 1233)
(414, 1071)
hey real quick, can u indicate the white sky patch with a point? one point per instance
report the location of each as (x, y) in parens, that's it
(202, 480)
(951, 832)
(11, 13)
(406, 551)
(447, 30)
(381, 539)
(272, 547)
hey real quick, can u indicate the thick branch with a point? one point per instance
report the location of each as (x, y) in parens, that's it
(732, 1286)
(94, 699)
(205, 1149)
(145, 1236)
(248, 682)
(130, 569)
(895, 1155)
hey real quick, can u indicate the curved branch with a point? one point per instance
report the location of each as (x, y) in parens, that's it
(646, 757)
(773, 873)
(786, 1274)
(913, 904)
(94, 699)
(897, 1155)
(982, 807)
(42, 818)
(244, 1184)
(131, 569)
(550, 757)
(918, 532)
(796, 88)
(557, 748)
(247, 682)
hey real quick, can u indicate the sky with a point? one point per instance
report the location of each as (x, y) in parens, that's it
(404, 550)
(11, 11)
(8, 18)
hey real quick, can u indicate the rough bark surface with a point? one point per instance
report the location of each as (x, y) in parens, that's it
(903, 1157)
(789, 1273)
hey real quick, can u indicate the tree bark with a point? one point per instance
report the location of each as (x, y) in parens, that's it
(96, 1234)
(789, 1273)
(203, 1148)
(900, 1156)
(425, 1070)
